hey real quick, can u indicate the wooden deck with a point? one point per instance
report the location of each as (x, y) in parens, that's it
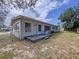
(38, 37)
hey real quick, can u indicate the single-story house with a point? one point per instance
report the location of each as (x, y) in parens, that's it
(23, 26)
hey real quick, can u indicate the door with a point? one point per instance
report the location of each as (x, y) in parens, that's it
(35, 29)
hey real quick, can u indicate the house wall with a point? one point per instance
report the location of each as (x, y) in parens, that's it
(34, 28)
(14, 32)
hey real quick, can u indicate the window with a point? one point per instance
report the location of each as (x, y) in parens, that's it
(46, 28)
(27, 27)
(16, 26)
(55, 27)
(39, 27)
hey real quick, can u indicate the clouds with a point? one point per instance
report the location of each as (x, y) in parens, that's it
(44, 6)
(41, 9)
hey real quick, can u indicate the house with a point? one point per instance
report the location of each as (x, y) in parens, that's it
(6, 28)
(26, 27)
(61, 27)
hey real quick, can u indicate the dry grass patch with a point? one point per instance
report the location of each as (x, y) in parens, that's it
(63, 45)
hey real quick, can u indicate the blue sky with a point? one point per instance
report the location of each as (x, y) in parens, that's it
(54, 14)
(48, 10)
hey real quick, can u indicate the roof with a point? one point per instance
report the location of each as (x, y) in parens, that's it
(25, 17)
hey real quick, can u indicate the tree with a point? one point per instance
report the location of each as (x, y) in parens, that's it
(7, 5)
(69, 18)
(19, 3)
(76, 23)
(3, 13)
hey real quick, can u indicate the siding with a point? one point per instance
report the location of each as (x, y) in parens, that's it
(34, 28)
(16, 32)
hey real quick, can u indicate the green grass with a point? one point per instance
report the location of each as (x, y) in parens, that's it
(6, 55)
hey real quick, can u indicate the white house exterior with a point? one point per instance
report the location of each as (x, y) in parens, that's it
(24, 26)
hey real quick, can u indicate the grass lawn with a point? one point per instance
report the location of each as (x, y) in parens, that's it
(6, 55)
(63, 45)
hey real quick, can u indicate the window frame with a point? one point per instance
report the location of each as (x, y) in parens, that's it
(28, 27)
(47, 28)
(39, 28)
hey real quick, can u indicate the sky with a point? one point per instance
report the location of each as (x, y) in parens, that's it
(45, 10)
(54, 14)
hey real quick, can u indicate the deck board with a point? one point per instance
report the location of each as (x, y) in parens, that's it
(37, 37)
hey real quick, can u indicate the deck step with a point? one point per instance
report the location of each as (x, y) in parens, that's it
(33, 38)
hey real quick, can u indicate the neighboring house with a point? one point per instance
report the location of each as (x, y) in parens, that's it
(23, 26)
(55, 28)
(6, 28)
(2, 26)
(61, 28)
